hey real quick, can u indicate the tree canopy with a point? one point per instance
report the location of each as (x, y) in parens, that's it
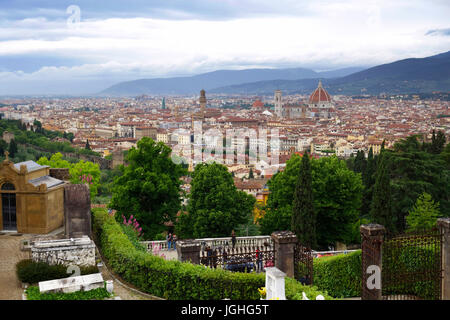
(215, 206)
(424, 214)
(337, 195)
(149, 187)
(80, 172)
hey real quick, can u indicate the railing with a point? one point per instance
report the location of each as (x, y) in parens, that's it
(240, 259)
(255, 241)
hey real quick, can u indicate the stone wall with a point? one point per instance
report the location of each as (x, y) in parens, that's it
(60, 173)
(79, 251)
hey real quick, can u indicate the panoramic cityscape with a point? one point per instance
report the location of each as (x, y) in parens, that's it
(225, 150)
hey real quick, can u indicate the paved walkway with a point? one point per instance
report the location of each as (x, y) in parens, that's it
(10, 254)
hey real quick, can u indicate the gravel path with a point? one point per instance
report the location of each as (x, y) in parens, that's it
(10, 254)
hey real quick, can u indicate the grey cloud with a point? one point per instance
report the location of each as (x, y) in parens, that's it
(438, 32)
(164, 9)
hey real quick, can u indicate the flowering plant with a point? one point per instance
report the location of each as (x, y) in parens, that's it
(262, 292)
(132, 222)
(86, 178)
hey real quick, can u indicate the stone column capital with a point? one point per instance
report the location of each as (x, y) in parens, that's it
(444, 223)
(284, 237)
(372, 230)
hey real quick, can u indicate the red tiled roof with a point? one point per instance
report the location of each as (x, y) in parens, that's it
(319, 95)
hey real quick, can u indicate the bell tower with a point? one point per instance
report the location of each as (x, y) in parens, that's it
(278, 104)
(202, 101)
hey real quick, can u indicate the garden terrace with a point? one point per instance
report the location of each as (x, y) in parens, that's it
(174, 279)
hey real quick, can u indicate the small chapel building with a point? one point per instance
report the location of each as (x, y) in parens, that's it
(32, 201)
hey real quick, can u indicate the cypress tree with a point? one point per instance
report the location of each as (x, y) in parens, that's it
(303, 222)
(437, 142)
(360, 162)
(12, 148)
(250, 174)
(368, 180)
(381, 206)
(88, 147)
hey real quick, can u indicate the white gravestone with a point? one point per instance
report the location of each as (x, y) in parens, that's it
(275, 284)
(72, 284)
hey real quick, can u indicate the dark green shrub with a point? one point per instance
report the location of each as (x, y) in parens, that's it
(33, 272)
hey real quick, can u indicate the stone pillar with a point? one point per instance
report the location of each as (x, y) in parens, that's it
(285, 242)
(372, 236)
(189, 251)
(444, 226)
(77, 210)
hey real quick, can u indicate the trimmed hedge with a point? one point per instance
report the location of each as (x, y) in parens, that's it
(339, 275)
(173, 279)
(33, 272)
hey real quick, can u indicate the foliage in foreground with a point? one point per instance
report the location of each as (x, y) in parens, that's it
(33, 293)
(173, 279)
(340, 275)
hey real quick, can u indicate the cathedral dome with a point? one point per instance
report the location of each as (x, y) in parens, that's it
(319, 95)
(258, 104)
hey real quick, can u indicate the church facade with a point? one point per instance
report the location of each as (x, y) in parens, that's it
(32, 200)
(319, 106)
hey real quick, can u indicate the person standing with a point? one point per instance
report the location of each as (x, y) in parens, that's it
(174, 241)
(259, 264)
(169, 240)
(233, 238)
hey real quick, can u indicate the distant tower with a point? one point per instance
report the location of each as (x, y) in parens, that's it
(278, 104)
(202, 101)
(163, 104)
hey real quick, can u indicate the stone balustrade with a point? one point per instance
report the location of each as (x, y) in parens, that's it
(252, 241)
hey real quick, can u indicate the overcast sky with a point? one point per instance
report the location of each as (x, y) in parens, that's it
(44, 49)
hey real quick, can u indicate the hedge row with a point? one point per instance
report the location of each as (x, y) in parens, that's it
(173, 279)
(340, 275)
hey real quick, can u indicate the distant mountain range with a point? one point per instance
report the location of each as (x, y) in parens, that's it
(415, 75)
(216, 79)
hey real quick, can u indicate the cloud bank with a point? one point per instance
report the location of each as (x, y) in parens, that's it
(43, 51)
